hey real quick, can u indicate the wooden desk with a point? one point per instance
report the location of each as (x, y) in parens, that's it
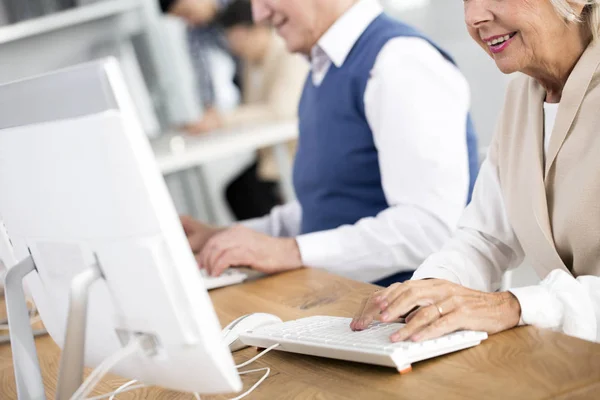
(525, 363)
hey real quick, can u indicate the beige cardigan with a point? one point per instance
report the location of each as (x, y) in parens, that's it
(275, 96)
(554, 204)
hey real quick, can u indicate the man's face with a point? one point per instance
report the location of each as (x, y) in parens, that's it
(195, 12)
(298, 22)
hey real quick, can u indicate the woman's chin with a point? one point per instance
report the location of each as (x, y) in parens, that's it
(506, 67)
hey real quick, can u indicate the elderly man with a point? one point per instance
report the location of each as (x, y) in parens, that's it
(386, 156)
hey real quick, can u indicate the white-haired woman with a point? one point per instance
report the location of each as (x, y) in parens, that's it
(537, 197)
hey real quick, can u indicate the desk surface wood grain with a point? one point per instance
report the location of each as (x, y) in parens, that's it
(524, 363)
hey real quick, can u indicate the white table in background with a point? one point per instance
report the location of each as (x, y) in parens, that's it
(177, 152)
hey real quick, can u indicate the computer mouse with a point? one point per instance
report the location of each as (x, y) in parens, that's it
(246, 323)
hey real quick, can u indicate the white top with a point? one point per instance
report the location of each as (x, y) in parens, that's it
(416, 104)
(485, 246)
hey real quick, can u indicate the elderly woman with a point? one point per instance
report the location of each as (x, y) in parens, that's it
(537, 197)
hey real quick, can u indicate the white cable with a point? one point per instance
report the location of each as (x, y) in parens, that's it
(250, 361)
(128, 386)
(261, 380)
(121, 388)
(257, 384)
(97, 374)
(129, 389)
(101, 370)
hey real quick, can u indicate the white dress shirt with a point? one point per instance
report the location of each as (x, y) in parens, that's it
(485, 246)
(416, 104)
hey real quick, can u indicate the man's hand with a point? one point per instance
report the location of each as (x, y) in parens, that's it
(240, 246)
(437, 307)
(211, 121)
(195, 12)
(198, 234)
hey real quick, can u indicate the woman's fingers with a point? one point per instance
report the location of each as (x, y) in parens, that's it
(399, 300)
(449, 323)
(424, 317)
(414, 296)
(386, 296)
(367, 312)
(411, 315)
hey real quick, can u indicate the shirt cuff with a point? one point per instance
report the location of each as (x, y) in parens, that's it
(317, 249)
(434, 267)
(431, 272)
(538, 307)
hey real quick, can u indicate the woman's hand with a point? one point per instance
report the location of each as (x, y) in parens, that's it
(436, 307)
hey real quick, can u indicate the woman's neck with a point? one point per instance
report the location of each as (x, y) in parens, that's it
(553, 74)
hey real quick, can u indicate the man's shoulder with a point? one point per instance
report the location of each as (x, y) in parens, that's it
(414, 53)
(411, 46)
(385, 24)
(388, 37)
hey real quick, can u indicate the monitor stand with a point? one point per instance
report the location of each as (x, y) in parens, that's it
(28, 374)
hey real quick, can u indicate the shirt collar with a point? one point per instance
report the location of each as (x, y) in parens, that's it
(341, 37)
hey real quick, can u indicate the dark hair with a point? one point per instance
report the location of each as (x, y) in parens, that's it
(237, 13)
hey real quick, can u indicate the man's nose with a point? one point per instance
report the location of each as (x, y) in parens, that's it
(261, 11)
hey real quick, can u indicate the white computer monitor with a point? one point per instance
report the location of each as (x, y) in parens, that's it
(79, 187)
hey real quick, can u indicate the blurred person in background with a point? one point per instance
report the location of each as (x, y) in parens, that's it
(213, 64)
(271, 81)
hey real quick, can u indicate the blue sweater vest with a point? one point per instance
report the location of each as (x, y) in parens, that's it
(336, 172)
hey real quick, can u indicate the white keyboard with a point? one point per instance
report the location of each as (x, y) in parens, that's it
(231, 276)
(332, 337)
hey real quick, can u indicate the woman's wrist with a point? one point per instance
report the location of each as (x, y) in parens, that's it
(513, 314)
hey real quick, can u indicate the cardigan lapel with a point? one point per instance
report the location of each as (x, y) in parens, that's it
(535, 141)
(573, 95)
